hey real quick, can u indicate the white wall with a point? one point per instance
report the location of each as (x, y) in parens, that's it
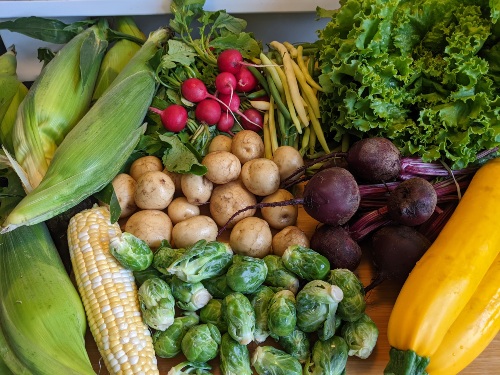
(293, 27)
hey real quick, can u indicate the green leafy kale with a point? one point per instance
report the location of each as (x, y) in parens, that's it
(423, 73)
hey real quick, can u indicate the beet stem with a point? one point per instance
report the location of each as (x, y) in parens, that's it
(414, 166)
(286, 182)
(368, 223)
(379, 279)
(377, 189)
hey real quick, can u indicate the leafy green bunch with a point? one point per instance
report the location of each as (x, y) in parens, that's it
(198, 37)
(423, 73)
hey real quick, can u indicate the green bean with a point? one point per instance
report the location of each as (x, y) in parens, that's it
(260, 78)
(277, 98)
(257, 94)
(283, 129)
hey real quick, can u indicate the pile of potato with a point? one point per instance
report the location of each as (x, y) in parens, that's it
(183, 208)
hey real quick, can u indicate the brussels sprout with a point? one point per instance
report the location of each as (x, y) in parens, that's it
(239, 316)
(131, 252)
(189, 296)
(306, 263)
(217, 286)
(361, 336)
(353, 304)
(316, 306)
(260, 303)
(190, 368)
(212, 313)
(246, 274)
(148, 273)
(268, 360)
(164, 256)
(234, 357)
(157, 303)
(167, 343)
(202, 261)
(281, 314)
(328, 357)
(296, 344)
(279, 276)
(201, 343)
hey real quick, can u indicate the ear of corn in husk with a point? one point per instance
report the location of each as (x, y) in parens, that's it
(42, 319)
(98, 146)
(57, 100)
(118, 55)
(12, 93)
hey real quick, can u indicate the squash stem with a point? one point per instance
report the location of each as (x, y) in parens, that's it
(405, 362)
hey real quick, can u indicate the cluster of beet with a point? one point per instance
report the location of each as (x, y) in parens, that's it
(372, 190)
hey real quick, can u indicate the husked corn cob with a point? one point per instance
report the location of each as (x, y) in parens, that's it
(118, 55)
(95, 150)
(57, 100)
(109, 295)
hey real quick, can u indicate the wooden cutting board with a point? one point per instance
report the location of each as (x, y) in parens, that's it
(379, 306)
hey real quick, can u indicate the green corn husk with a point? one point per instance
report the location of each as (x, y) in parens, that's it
(57, 100)
(118, 55)
(98, 146)
(42, 320)
(12, 93)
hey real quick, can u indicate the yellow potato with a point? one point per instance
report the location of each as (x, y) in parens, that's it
(152, 226)
(251, 236)
(145, 164)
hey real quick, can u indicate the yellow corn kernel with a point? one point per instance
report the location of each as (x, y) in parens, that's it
(109, 295)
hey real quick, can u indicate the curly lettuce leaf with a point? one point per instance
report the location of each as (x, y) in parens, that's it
(423, 73)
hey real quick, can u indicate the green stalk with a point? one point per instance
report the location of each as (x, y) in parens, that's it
(405, 362)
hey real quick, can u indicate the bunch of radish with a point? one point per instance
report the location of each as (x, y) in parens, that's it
(220, 108)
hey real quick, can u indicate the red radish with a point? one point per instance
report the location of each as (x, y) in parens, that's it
(226, 122)
(231, 101)
(225, 83)
(252, 119)
(194, 90)
(230, 61)
(174, 117)
(245, 80)
(208, 111)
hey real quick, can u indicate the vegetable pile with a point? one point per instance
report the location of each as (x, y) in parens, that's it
(170, 178)
(205, 301)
